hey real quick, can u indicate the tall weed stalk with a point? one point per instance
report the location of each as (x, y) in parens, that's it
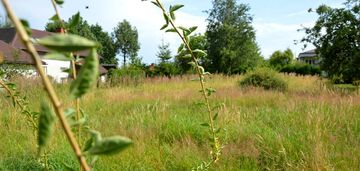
(184, 34)
(62, 46)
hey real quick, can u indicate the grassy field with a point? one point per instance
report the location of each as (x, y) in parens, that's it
(306, 128)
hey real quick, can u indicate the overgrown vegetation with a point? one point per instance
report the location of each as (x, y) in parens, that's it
(264, 78)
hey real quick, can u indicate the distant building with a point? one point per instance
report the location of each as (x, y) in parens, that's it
(14, 52)
(309, 57)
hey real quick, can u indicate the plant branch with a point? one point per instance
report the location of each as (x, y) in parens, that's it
(22, 107)
(216, 148)
(48, 86)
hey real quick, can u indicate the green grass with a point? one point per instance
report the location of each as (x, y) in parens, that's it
(309, 127)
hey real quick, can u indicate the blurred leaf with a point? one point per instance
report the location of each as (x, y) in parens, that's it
(175, 7)
(67, 43)
(55, 18)
(75, 21)
(46, 123)
(59, 2)
(171, 30)
(57, 56)
(205, 124)
(172, 15)
(87, 76)
(110, 145)
(200, 52)
(69, 112)
(215, 116)
(155, 3)
(26, 25)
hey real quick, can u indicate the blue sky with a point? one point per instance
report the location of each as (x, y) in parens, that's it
(276, 21)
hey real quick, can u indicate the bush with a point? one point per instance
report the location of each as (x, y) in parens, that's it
(301, 69)
(126, 76)
(265, 78)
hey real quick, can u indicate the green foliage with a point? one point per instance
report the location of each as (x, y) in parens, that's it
(46, 124)
(107, 47)
(126, 40)
(280, 59)
(265, 78)
(87, 76)
(164, 53)
(108, 145)
(300, 68)
(130, 75)
(182, 60)
(231, 38)
(67, 43)
(77, 25)
(336, 37)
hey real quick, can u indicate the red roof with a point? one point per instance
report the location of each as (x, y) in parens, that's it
(14, 55)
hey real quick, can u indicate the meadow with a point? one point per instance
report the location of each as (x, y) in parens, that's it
(307, 127)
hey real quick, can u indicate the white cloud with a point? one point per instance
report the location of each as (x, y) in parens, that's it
(277, 36)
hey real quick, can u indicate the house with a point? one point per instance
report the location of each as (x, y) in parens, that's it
(15, 52)
(309, 57)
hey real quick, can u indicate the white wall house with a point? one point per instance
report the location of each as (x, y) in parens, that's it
(55, 69)
(15, 53)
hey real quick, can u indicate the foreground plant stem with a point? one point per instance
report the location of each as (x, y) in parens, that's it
(47, 84)
(73, 70)
(216, 148)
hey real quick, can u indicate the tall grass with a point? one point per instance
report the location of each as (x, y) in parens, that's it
(305, 128)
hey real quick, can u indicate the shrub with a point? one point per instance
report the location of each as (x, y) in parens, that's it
(301, 69)
(126, 76)
(265, 78)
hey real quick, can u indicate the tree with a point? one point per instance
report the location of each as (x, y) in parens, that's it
(164, 53)
(92, 32)
(126, 40)
(336, 36)
(197, 41)
(231, 37)
(165, 67)
(280, 59)
(107, 49)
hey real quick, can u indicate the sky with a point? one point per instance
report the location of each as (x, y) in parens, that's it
(276, 21)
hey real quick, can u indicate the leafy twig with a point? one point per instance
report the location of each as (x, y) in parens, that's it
(47, 84)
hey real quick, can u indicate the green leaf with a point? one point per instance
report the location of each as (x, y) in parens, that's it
(215, 116)
(67, 43)
(59, 2)
(192, 29)
(55, 18)
(75, 21)
(46, 123)
(205, 124)
(166, 17)
(181, 47)
(172, 15)
(79, 122)
(171, 30)
(203, 53)
(164, 26)
(184, 29)
(175, 7)
(187, 56)
(57, 56)
(110, 145)
(88, 144)
(26, 25)
(156, 4)
(87, 76)
(69, 112)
